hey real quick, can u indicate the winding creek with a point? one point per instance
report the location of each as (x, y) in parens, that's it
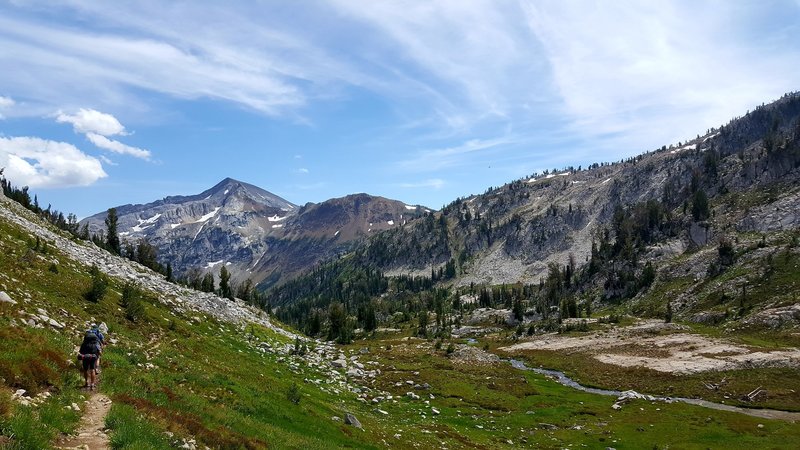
(561, 378)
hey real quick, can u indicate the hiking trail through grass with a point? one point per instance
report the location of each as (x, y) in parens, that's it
(91, 433)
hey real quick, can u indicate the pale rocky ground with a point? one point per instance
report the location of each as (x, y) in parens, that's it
(678, 352)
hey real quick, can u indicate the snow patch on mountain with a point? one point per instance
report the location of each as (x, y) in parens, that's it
(209, 215)
(145, 223)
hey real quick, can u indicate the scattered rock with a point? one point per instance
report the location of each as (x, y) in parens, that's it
(4, 298)
(350, 419)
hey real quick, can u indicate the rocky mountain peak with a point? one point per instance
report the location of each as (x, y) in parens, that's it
(230, 188)
(254, 232)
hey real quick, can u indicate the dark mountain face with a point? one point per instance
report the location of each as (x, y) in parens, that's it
(255, 233)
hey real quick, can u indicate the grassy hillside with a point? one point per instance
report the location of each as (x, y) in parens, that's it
(180, 378)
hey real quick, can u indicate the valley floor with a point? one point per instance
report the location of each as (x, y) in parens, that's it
(207, 376)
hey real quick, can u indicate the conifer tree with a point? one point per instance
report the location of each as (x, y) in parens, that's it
(224, 283)
(112, 238)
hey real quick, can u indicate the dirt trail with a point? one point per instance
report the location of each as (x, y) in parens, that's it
(91, 434)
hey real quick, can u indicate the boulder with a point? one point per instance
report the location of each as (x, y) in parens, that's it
(350, 419)
(340, 363)
(4, 298)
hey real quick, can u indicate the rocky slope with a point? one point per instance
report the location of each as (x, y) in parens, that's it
(258, 235)
(748, 169)
(183, 300)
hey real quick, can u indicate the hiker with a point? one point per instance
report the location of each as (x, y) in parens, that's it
(101, 340)
(88, 354)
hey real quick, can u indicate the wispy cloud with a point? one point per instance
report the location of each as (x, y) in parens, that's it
(442, 158)
(657, 71)
(5, 102)
(117, 147)
(108, 161)
(472, 60)
(302, 170)
(41, 163)
(173, 53)
(433, 183)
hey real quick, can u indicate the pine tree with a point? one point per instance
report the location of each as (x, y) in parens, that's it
(700, 210)
(207, 285)
(112, 238)
(224, 283)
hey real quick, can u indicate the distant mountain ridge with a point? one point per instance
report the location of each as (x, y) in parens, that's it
(254, 232)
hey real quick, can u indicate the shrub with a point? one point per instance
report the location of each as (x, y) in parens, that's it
(293, 394)
(99, 286)
(450, 349)
(132, 302)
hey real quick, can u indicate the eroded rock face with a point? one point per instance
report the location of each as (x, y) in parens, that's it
(782, 214)
(775, 317)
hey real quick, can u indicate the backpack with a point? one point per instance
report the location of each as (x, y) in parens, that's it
(89, 346)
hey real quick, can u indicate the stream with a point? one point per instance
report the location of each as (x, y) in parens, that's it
(567, 381)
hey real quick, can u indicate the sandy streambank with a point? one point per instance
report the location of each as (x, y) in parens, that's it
(679, 352)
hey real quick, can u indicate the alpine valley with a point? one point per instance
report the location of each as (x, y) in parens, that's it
(645, 303)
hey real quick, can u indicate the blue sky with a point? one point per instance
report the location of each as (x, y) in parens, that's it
(108, 103)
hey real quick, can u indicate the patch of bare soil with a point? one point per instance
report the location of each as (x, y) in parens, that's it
(645, 345)
(91, 432)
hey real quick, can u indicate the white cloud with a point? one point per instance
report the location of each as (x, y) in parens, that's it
(6, 102)
(437, 159)
(433, 183)
(117, 147)
(473, 60)
(655, 72)
(107, 160)
(302, 170)
(239, 60)
(40, 163)
(91, 121)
